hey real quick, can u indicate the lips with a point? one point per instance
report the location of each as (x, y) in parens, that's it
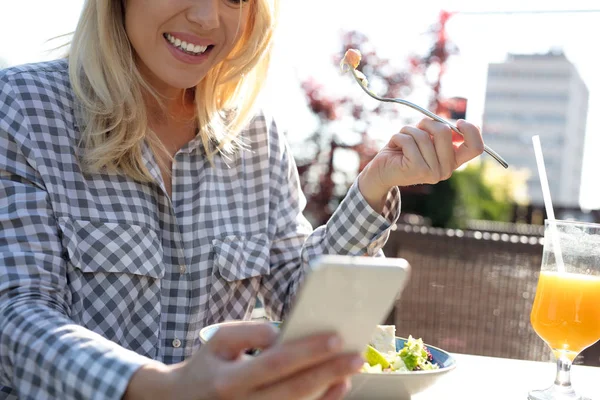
(188, 49)
(188, 44)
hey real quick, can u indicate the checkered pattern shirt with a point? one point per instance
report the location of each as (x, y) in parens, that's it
(100, 273)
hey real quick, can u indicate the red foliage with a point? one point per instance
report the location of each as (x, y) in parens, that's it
(324, 107)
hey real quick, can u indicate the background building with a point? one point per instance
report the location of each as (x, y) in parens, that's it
(541, 94)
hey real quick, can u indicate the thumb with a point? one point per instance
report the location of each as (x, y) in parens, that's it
(230, 340)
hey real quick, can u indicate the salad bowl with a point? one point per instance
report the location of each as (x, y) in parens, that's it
(401, 385)
(381, 385)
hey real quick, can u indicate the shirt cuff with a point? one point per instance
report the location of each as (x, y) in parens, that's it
(103, 371)
(359, 229)
(117, 371)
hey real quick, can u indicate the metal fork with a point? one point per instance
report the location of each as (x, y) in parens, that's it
(361, 81)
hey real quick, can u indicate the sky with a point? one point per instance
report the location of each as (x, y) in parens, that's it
(397, 28)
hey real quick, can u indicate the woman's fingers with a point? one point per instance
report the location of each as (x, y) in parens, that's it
(312, 367)
(337, 391)
(472, 145)
(441, 136)
(424, 154)
(409, 149)
(406, 165)
(314, 382)
(426, 148)
(284, 360)
(229, 341)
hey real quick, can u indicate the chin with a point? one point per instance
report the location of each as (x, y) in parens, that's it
(169, 79)
(184, 79)
(185, 83)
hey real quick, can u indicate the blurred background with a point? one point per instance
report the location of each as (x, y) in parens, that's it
(517, 68)
(521, 69)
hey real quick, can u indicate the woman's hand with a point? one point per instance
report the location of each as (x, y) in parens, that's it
(427, 153)
(309, 368)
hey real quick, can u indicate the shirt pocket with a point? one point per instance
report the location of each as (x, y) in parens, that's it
(239, 264)
(114, 274)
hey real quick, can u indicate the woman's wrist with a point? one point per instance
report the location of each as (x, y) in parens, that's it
(375, 195)
(152, 381)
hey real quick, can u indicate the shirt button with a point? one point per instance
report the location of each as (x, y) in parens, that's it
(176, 343)
(182, 269)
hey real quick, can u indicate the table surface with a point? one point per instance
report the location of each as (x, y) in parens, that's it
(477, 377)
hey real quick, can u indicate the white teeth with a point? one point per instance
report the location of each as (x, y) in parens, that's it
(185, 46)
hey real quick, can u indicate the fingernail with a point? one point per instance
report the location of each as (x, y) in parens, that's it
(334, 343)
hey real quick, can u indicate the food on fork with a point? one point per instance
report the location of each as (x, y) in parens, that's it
(352, 59)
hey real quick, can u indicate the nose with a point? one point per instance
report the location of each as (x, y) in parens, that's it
(204, 13)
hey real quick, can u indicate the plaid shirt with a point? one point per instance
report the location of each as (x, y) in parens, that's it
(100, 273)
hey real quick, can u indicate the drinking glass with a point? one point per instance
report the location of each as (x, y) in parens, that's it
(566, 309)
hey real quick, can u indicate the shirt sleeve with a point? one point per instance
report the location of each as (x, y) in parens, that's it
(43, 353)
(354, 229)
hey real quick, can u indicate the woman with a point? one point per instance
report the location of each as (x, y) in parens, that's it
(144, 196)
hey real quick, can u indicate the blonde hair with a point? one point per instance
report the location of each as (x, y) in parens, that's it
(109, 87)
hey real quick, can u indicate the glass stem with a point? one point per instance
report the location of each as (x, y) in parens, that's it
(563, 373)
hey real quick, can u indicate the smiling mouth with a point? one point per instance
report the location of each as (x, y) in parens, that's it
(188, 48)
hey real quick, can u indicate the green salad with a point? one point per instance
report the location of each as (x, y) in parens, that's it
(414, 356)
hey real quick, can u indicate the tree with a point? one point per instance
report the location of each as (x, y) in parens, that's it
(323, 183)
(482, 190)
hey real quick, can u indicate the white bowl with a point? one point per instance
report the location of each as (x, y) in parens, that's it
(401, 386)
(397, 386)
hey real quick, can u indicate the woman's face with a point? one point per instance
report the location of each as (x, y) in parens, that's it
(177, 42)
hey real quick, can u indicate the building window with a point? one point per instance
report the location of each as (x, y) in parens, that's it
(542, 97)
(522, 74)
(523, 119)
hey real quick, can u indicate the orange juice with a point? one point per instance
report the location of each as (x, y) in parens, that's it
(566, 311)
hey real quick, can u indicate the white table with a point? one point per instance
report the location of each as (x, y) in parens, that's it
(477, 377)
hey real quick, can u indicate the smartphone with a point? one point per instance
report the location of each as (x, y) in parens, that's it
(347, 295)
